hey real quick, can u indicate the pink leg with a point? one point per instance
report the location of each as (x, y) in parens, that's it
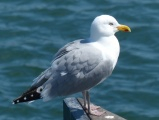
(92, 109)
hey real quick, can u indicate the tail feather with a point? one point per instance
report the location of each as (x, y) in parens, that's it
(30, 95)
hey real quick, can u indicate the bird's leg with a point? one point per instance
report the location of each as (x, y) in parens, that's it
(85, 102)
(88, 101)
(84, 97)
(92, 109)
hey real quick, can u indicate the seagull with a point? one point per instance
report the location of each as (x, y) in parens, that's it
(80, 65)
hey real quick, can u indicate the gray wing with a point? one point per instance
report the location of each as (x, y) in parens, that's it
(76, 67)
(44, 76)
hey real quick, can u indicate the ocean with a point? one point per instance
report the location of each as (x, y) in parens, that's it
(32, 31)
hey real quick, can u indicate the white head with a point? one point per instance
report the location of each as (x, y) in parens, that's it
(105, 26)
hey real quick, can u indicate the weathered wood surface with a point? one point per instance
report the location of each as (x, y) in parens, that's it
(72, 109)
(106, 116)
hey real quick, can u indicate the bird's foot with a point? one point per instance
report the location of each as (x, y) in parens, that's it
(92, 107)
(96, 112)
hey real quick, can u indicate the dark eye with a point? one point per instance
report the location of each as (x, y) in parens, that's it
(111, 24)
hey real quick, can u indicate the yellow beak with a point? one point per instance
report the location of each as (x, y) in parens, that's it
(124, 28)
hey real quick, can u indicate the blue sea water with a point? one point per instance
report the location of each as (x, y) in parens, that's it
(31, 32)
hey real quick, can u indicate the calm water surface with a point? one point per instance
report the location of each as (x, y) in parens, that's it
(31, 32)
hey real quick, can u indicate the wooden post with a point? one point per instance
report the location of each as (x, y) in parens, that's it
(73, 110)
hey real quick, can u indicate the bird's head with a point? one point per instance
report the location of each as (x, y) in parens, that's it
(105, 26)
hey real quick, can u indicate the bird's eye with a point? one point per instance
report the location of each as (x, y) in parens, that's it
(111, 24)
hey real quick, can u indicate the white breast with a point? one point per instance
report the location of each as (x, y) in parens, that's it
(109, 47)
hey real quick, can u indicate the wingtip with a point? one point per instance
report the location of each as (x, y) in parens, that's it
(16, 101)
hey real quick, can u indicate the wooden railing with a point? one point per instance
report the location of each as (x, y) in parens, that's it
(73, 110)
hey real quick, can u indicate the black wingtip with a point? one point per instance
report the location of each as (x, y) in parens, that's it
(28, 96)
